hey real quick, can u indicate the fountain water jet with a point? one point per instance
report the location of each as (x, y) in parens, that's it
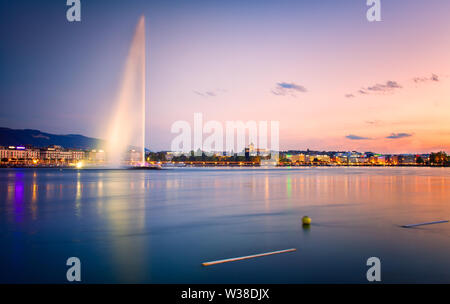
(125, 129)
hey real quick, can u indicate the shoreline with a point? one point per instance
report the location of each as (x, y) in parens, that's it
(222, 166)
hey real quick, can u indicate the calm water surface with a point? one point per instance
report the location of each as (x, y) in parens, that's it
(159, 226)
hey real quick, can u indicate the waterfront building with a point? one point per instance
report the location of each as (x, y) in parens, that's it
(50, 153)
(262, 152)
(18, 154)
(340, 160)
(3, 153)
(133, 157)
(395, 160)
(323, 158)
(381, 160)
(57, 154)
(296, 158)
(169, 156)
(96, 156)
(251, 150)
(408, 159)
(317, 158)
(268, 163)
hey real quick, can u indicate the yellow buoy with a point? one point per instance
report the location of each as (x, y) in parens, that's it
(306, 220)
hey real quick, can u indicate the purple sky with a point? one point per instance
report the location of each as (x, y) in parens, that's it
(332, 79)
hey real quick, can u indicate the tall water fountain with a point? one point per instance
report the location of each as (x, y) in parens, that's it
(127, 127)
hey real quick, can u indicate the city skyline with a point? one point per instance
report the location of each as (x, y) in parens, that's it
(252, 148)
(55, 155)
(333, 80)
(88, 141)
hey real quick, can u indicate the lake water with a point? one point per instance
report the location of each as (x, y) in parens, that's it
(159, 226)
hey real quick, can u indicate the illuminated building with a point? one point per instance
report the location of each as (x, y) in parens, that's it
(269, 163)
(300, 158)
(96, 156)
(133, 157)
(58, 154)
(408, 159)
(19, 153)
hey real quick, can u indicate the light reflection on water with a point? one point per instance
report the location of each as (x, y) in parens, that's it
(158, 226)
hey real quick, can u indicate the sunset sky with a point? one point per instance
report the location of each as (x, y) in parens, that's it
(332, 79)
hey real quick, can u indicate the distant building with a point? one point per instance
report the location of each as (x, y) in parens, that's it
(169, 156)
(323, 158)
(96, 156)
(59, 154)
(19, 153)
(262, 152)
(407, 159)
(133, 156)
(342, 159)
(381, 160)
(269, 163)
(300, 158)
(3, 153)
(251, 149)
(315, 158)
(394, 159)
(51, 153)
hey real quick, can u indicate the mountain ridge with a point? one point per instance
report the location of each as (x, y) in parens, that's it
(37, 138)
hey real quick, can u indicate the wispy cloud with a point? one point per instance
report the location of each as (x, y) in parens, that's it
(211, 93)
(433, 77)
(373, 122)
(390, 86)
(379, 88)
(398, 135)
(392, 136)
(286, 88)
(382, 87)
(356, 137)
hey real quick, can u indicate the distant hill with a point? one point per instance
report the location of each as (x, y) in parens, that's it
(36, 138)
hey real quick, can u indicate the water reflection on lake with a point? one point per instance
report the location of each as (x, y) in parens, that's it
(158, 226)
